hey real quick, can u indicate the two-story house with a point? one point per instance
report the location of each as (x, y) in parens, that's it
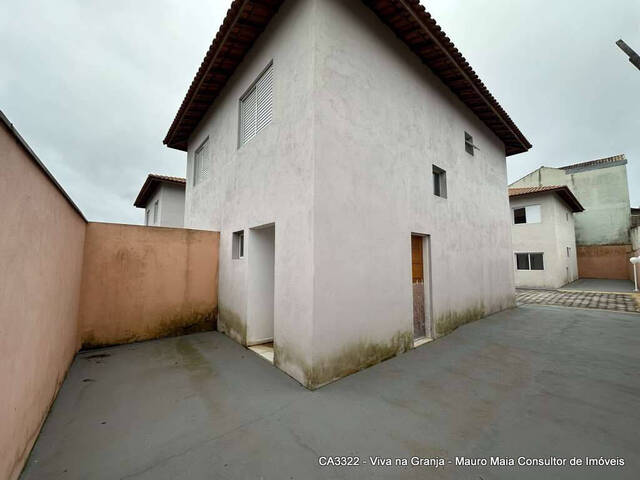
(544, 238)
(602, 230)
(355, 166)
(162, 199)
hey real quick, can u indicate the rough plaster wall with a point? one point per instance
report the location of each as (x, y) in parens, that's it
(269, 180)
(551, 237)
(540, 237)
(382, 120)
(172, 210)
(40, 260)
(566, 235)
(603, 192)
(157, 196)
(140, 283)
(635, 238)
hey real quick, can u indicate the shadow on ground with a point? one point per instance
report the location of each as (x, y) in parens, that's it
(533, 381)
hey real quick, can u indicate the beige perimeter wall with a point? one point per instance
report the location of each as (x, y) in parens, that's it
(142, 282)
(65, 283)
(41, 249)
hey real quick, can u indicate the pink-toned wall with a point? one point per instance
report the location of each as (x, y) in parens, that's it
(605, 261)
(41, 251)
(141, 283)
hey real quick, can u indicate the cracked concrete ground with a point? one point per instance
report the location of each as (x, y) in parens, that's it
(600, 300)
(532, 381)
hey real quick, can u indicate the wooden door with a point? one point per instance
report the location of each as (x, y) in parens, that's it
(417, 274)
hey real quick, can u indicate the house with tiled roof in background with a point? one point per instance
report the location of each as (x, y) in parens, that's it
(356, 172)
(162, 198)
(603, 228)
(543, 235)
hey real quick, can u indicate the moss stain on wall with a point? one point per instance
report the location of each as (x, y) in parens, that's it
(350, 359)
(232, 325)
(449, 321)
(168, 326)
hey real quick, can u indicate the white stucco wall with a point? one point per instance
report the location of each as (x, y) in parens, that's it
(382, 120)
(603, 192)
(344, 172)
(171, 204)
(551, 236)
(267, 181)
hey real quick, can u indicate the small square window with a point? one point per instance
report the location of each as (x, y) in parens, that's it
(439, 182)
(519, 215)
(468, 144)
(238, 245)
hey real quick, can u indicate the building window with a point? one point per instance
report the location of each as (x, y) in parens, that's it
(238, 245)
(468, 144)
(201, 163)
(529, 261)
(256, 107)
(155, 212)
(568, 252)
(439, 182)
(530, 214)
(146, 217)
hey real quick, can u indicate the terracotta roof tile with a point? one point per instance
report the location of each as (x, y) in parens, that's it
(150, 185)
(562, 191)
(408, 19)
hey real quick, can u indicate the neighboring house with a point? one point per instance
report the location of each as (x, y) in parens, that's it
(543, 233)
(359, 185)
(162, 199)
(602, 230)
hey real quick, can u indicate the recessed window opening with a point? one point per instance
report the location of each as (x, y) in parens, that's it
(439, 182)
(155, 212)
(201, 163)
(147, 216)
(529, 261)
(256, 107)
(529, 214)
(238, 245)
(468, 144)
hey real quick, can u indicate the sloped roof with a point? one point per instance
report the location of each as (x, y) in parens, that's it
(595, 163)
(150, 185)
(408, 19)
(561, 190)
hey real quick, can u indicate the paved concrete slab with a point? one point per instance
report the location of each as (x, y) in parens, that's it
(621, 302)
(600, 285)
(533, 381)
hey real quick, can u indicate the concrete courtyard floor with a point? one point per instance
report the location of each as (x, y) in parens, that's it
(600, 285)
(533, 381)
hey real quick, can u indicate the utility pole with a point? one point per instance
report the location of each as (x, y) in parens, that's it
(633, 56)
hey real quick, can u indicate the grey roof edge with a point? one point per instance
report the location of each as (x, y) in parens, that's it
(39, 163)
(586, 168)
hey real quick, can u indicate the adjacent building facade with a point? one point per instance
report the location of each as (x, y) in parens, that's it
(602, 230)
(361, 197)
(162, 199)
(543, 233)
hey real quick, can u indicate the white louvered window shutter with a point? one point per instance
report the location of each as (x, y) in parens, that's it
(201, 163)
(264, 89)
(256, 107)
